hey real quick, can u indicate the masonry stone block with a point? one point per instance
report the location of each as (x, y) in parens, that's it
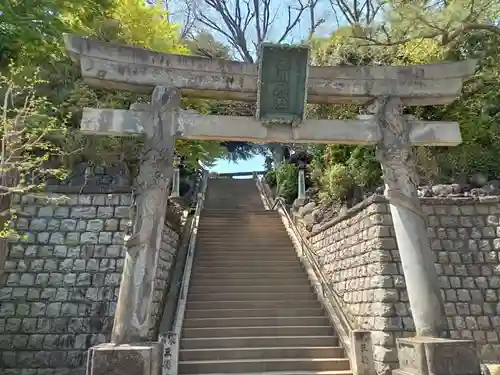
(425, 356)
(140, 359)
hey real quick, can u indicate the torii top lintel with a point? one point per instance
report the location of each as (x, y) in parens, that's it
(115, 66)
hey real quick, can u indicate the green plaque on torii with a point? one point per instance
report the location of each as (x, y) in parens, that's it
(282, 88)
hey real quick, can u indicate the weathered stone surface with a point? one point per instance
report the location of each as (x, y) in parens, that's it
(359, 255)
(426, 355)
(133, 68)
(60, 297)
(193, 125)
(135, 359)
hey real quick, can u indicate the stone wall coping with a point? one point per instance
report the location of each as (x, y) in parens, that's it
(378, 198)
(90, 189)
(451, 200)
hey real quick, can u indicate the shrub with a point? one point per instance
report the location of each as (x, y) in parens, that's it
(270, 178)
(336, 182)
(286, 180)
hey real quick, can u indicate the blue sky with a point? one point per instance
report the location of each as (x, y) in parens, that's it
(278, 25)
(254, 164)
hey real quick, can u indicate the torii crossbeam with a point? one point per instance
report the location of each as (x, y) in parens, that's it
(115, 66)
(193, 125)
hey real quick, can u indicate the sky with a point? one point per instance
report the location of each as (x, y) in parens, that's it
(279, 23)
(254, 164)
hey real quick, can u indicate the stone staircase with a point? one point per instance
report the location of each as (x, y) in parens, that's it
(250, 307)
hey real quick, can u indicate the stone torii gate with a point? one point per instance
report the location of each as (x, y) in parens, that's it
(281, 85)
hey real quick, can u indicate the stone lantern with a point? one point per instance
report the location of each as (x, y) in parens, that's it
(176, 177)
(301, 159)
(301, 191)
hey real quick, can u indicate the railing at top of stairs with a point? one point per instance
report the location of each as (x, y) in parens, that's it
(171, 338)
(356, 342)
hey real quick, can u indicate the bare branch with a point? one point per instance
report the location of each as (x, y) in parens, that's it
(233, 18)
(292, 22)
(359, 12)
(447, 33)
(312, 18)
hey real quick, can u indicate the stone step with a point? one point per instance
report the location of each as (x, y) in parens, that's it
(256, 321)
(269, 229)
(257, 312)
(256, 262)
(261, 353)
(257, 249)
(239, 205)
(250, 232)
(263, 365)
(249, 269)
(276, 304)
(229, 297)
(243, 289)
(303, 280)
(250, 248)
(248, 213)
(252, 237)
(258, 342)
(252, 218)
(203, 257)
(255, 254)
(249, 244)
(291, 373)
(240, 216)
(323, 330)
(249, 275)
(244, 232)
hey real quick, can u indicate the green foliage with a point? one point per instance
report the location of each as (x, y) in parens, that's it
(286, 181)
(335, 183)
(30, 133)
(337, 168)
(270, 178)
(364, 167)
(31, 35)
(30, 138)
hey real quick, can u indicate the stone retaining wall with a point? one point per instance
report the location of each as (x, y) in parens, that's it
(358, 252)
(61, 279)
(465, 237)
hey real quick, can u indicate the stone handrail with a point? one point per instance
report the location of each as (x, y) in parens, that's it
(356, 342)
(172, 296)
(171, 339)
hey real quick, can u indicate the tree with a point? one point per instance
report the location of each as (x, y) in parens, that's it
(446, 21)
(33, 27)
(245, 24)
(357, 12)
(126, 21)
(204, 44)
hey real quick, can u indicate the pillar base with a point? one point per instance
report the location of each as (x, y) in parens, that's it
(129, 359)
(435, 356)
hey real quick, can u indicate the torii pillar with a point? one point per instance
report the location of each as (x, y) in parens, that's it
(129, 352)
